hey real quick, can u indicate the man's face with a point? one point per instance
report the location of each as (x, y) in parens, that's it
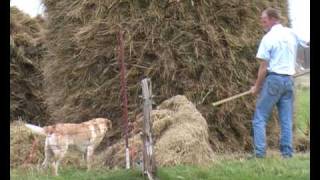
(266, 22)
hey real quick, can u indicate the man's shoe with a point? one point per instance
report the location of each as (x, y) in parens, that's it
(286, 156)
(255, 157)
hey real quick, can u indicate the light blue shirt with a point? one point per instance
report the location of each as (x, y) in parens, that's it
(279, 47)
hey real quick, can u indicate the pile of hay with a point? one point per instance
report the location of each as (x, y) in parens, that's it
(203, 49)
(21, 143)
(180, 135)
(27, 50)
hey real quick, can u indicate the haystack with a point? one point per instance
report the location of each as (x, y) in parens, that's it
(203, 49)
(26, 53)
(180, 135)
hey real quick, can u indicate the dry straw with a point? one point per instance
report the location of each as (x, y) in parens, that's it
(26, 54)
(21, 141)
(180, 134)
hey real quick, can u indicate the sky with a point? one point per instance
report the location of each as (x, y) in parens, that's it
(31, 7)
(299, 13)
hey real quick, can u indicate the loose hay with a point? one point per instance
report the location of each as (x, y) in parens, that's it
(302, 144)
(186, 140)
(21, 140)
(181, 137)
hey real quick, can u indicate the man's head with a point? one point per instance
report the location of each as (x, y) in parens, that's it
(269, 17)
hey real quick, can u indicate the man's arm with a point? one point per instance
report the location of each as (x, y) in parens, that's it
(301, 41)
(261, 76)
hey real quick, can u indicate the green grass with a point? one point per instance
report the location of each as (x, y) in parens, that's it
(302, 111)
(74, 173)
(273, 167)
(263, 169)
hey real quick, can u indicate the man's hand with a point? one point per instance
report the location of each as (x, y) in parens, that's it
(254, 90)
(261, 76)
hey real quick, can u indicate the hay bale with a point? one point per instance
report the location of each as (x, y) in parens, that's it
(26, 54)
(180, 135)
(204, 50)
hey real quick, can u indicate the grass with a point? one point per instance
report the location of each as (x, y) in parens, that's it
(302, 111)
(240, 169)
(272, 167)
(75, 173)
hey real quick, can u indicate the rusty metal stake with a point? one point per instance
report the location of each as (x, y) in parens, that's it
(123, 93)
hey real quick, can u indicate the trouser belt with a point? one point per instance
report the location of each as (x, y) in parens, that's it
(273, 73)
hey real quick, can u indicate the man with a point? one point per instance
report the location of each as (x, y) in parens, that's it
(277, 54)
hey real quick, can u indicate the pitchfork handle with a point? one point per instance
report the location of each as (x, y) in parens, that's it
(231, 98)
(249, 91)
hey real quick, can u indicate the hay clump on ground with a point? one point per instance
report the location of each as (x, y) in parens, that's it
(186, 139)
(21, 142)
(302, 144)
(204, 50)
(180, 134)
(27, 49)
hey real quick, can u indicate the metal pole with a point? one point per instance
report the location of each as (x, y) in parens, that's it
(123, 93)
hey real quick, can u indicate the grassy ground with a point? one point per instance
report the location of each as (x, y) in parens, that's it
(240, 169)
(302, 111)
(225, 168)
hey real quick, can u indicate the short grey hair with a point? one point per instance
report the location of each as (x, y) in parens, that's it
(273, 13)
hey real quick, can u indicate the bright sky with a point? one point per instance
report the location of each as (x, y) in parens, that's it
(31, 7)
(299, 12)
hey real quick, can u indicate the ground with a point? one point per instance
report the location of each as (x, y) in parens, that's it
(226, 166)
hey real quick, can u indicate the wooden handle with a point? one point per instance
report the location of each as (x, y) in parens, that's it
(302, 73)
(231, 98)
(248, 92)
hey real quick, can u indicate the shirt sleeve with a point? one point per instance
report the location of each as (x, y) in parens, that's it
(264, 50)
(300, 41)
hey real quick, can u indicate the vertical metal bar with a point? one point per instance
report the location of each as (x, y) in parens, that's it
(123, 94)
(149, 167)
